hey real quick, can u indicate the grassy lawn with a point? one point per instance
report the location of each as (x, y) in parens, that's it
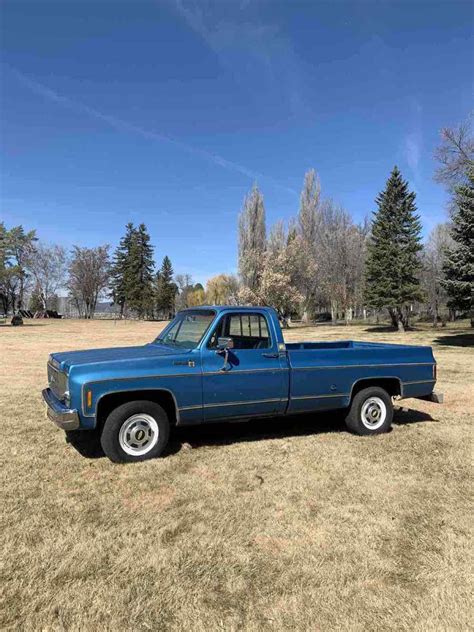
(273, 525)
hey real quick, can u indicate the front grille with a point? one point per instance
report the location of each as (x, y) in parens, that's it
(57, 381)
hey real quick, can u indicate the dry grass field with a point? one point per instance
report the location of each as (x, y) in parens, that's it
(273, 525)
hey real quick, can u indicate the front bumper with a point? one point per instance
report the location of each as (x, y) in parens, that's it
(65, 418)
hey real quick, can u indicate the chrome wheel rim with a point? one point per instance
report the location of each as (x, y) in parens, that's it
(138, 434)
(373, 413)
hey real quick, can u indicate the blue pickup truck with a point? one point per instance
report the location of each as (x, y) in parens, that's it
(227, 364)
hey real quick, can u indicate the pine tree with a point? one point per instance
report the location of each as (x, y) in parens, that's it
(15, 246)
(138, 277)
(120, 265)
(165, 288)
(459, 264)
(22, 244)
(393, 261)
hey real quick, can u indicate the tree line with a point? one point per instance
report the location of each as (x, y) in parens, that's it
(319, 264)
(323, 261)
(33, 275)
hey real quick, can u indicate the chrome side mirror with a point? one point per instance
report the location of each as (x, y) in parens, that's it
(224, 343)
(223, 346)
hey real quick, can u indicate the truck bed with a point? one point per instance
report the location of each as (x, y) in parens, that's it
(324, 374)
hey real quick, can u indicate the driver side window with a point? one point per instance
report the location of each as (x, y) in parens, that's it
(248, 331)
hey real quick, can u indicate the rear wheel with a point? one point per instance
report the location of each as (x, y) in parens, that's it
(135, 431)
(371, 412)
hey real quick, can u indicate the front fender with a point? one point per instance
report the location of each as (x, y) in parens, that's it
(184, 389)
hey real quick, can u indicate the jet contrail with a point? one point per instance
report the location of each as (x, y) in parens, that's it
(124, 126)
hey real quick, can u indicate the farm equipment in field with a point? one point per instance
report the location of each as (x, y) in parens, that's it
(47, 313)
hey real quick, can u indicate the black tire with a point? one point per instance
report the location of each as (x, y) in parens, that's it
(365, 406)
(144, 413)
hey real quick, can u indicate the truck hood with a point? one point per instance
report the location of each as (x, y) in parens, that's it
(68, 359)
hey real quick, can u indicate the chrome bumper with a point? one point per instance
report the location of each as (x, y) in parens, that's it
(63, 417)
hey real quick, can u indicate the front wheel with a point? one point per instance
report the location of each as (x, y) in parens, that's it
(371, 412)
(135, 431)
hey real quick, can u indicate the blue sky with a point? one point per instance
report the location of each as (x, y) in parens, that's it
(166, 112)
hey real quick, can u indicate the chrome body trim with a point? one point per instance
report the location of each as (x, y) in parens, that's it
(239, 371)
(63, 417)
(419, 382)
(239, 403)
(320, 396)
(244, 403)
(261, 401)
(359, 366)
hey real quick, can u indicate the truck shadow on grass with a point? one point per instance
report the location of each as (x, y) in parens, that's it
(87, 443)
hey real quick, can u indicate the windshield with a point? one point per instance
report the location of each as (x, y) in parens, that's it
(187, 329)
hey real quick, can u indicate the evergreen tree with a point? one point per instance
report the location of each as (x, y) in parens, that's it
(138, 277)
(15, 245)
(22, 244)
(165, 288)
(120, 266)
(393, 261)
(459, 263)
(8, 271)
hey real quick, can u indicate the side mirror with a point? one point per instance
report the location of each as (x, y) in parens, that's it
(224, 343)
(223, 346)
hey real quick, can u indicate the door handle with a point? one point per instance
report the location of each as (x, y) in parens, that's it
(271, 355)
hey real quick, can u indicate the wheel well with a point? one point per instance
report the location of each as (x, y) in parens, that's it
(390, 384)
(107, 403)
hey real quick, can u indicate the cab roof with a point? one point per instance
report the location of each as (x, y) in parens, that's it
(221, 308)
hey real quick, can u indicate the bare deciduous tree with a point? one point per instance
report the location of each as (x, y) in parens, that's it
(89, 275)
(252, 239)
(455, 155)
(185, 286)
(183, 281)
(309, 206)
(434, 256)
(277, 287)
(307, 228)
(340, 247)
(48, 266)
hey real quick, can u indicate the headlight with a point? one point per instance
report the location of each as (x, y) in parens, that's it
(58, 382)
(54, 363)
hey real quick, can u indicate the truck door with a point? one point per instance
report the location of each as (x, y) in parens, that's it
(255, 379)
